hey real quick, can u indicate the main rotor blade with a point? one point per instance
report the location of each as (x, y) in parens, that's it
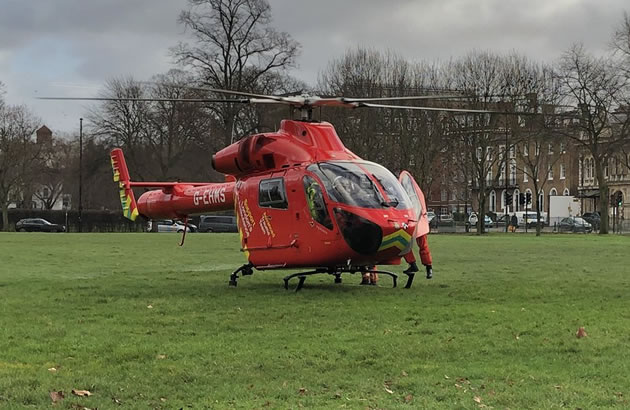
(412, 107)
(193, 100)
(417, 97)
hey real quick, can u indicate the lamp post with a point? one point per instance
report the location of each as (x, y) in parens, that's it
(80, 174)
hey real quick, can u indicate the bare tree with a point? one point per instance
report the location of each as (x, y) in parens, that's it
(175, 129)
(123, 123)
(233, 46)
(399, 139)
(592, 85)
(18, 154)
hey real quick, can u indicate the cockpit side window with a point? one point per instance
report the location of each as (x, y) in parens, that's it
(316, 203)
(272, 194)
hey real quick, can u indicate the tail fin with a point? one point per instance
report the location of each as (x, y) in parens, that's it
(121, 175)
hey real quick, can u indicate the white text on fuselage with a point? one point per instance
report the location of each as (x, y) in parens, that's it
(209, 196)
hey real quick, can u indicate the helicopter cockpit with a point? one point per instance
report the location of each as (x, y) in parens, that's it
(357, 184)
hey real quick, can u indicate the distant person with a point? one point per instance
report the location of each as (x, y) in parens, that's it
(513, 223)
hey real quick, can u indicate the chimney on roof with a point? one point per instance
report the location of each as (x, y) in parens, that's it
(44, 135)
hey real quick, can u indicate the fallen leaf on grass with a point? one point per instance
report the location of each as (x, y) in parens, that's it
(408, 398)
(115, 400)
(581, 333)
(404, 374)
(79, 407)
(302, 391)
(81, 393)
(150, 307)
(477, 399)
(161, 356)
(459, 386)
(56, 396)
(52, 370)
(162, 399)
(446, 377)
(557, 387)
(388, 390)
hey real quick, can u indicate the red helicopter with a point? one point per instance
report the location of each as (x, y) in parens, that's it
(302, 199)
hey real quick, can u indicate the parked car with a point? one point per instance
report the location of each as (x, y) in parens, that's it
(170, 225)
(501, 221)
(593, 218)
(433, 222)
(574, 224)
(446, 219)
(38, 225)
(218, 223)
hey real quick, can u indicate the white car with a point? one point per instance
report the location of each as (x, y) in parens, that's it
(170, 225)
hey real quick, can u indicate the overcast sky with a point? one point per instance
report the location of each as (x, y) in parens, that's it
(70, 47)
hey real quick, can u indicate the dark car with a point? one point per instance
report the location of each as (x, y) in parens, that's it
(217, 223)
(38, 225)
(593, 218)
(574, 224)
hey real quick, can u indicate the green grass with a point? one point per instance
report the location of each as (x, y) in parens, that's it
(497, 323)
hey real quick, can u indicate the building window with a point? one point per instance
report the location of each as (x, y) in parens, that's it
(513, 172)
(563, 147)
(454, 195)
(517, 200)
(563, 171)
(525, 176)
(550, 148)
(492, 206)
(550, 174)
(537, 149)
(553, 192)
(512, 151)
(525, 150)
(444, 195)
(566, 192)
(541, 199)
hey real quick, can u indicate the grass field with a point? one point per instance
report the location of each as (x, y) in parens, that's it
(143, 323)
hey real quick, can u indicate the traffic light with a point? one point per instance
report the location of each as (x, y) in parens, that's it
(521, 198)
(619, 199)
(508, 199)
(528, 198)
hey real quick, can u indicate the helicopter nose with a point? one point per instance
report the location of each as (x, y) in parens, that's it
(362, 235)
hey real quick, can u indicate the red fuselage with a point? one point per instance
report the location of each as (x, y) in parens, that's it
(302, 200)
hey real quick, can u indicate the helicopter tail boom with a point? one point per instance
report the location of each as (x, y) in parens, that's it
(121, 175)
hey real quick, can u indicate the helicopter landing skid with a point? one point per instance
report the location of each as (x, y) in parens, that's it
(246, 270)
(337, 274)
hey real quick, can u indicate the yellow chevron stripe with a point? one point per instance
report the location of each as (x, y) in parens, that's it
(399, 239)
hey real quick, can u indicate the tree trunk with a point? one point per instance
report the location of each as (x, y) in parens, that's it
(603, 197)
(603, 208)
(5, 218)
(481, 213)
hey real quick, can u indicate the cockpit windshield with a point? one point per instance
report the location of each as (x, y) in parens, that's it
(354, 184)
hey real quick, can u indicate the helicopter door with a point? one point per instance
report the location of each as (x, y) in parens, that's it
(417, 199)
(315, 202)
